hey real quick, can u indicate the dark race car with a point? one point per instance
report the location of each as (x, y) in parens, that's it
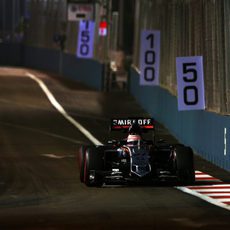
(135, 159)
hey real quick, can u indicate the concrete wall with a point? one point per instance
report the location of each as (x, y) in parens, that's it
(202, 130)
(84, 70)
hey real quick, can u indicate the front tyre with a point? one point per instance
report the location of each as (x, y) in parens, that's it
(81, 159)
(92, 165)
(185, 165)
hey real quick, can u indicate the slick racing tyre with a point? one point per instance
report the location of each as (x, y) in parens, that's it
(81, 159)
(185, 165)
(93, 164)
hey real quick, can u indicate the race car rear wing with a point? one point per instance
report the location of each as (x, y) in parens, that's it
(124, 123)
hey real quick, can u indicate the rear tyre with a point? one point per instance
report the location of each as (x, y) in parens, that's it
(185, 165)
(93, 165)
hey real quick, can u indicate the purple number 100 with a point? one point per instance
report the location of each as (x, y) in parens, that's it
(149, 57)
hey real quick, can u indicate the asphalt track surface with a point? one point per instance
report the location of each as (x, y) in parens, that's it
(39, 177)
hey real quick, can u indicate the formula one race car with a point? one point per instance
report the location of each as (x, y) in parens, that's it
(135, 159)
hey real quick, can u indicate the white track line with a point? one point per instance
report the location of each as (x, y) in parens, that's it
(60, 109)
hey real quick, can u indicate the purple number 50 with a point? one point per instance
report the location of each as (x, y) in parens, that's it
(190, 83)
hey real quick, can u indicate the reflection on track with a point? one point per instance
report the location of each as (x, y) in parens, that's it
(58, 156)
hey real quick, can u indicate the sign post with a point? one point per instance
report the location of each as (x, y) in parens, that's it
(150, 57)
(77, 11)
(190, 83)
(85, 39)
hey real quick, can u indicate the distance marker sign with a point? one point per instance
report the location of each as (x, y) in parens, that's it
(190, 83)
(149, 57)
(85, 39)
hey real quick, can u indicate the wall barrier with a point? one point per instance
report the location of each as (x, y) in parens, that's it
(67, 65)
(11, 54)
(206, 132)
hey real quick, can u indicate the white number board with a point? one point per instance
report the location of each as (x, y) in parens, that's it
(149, 57)
(86, 39)
(190, 83)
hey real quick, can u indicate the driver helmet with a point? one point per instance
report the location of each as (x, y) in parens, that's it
(135, 129)
(133, 139)
(134, 136)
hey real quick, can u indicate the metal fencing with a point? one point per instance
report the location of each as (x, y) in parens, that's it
(189, 28)
(48, 18)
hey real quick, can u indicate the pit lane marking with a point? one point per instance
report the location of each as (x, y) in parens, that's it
(62, 111)
(215, 192)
